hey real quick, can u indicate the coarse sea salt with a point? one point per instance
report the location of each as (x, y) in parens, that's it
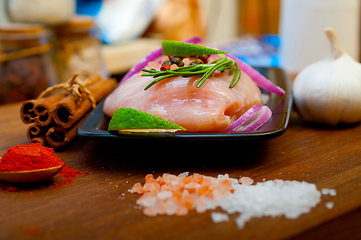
(329, 191)
(271, 198)
(177, 195)
(218, 217)
(329, 205)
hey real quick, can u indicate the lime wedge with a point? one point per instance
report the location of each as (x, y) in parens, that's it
(179, 49)
(128, 119)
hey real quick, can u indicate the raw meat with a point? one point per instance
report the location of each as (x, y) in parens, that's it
(212, 107)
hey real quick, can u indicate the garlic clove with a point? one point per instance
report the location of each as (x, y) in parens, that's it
(329, 91)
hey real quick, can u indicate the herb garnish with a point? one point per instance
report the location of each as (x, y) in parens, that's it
(197, 70)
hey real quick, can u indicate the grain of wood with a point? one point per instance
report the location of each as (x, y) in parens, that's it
(99, 206)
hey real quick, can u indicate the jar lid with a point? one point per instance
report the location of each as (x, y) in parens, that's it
(18, 28)
(23, 34)
(76, 24)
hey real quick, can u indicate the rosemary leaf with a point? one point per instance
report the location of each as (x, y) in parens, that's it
(210, 71)
(159, 79)
(231, 68)
(203, 70)
(236, 77)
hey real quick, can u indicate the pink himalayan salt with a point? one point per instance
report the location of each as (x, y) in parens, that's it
(186, 61)
(288, 198)
(177, 195)
(137, 188)
(152, 186)
(173, 66)
(246, 180)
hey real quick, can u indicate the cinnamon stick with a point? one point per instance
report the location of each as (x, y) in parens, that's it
(68, 111)
(40, 110)
(39, 139)
(58, 137)
(27, 113)
(56, 118)
(37, 133)
(44, 109)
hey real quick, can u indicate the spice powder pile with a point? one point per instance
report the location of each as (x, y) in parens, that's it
(29, 157)
(33, 157)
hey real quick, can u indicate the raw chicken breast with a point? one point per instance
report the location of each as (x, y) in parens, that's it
(212, 107)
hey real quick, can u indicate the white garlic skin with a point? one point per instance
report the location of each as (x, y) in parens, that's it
(329, 91)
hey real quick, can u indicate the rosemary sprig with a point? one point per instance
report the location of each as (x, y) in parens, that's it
(204, 70)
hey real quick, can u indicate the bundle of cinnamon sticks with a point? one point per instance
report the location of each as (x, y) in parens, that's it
(54, 119)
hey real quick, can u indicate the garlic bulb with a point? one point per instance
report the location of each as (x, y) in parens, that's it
(329, 91)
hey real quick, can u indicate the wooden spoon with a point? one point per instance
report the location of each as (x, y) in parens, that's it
(30, 176)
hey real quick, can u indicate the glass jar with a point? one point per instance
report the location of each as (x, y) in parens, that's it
(77, 49)
(25, 63)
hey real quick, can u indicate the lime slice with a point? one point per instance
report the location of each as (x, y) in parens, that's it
(128, 119)
(179, 49)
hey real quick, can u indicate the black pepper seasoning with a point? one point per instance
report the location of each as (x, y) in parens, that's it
(25, 64)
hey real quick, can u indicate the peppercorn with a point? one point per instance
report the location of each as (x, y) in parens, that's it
(176, 60)
(167, 62)
(165, 67)
(198, 61)
(204, 58)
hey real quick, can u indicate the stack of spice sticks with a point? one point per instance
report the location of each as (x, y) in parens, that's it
(56, 114)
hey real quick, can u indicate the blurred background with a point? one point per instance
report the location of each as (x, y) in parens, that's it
(45, 42)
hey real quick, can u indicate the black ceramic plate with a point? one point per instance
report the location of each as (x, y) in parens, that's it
(96, 124)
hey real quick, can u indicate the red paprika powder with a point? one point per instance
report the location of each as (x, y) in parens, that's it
(29, 157)
(32, 157)
(67, 175)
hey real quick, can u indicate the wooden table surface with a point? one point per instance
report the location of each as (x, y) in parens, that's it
(99, 206)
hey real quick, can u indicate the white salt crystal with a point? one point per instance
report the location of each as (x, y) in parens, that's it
(192, 185)
(271, 198)
(149, 201)
(332, 192)
(162, 195)
(183, 174)
(171, 209)
(218, 217)
(325, 191)
(329, 205)
(329, 191)
(221, 176)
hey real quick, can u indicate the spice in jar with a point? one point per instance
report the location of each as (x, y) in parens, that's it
(25, 63)
(77, 49)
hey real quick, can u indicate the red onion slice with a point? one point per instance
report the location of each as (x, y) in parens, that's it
(262, 117)
(151, 57)
(247, 117)
(251, 120)
(258, 78)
